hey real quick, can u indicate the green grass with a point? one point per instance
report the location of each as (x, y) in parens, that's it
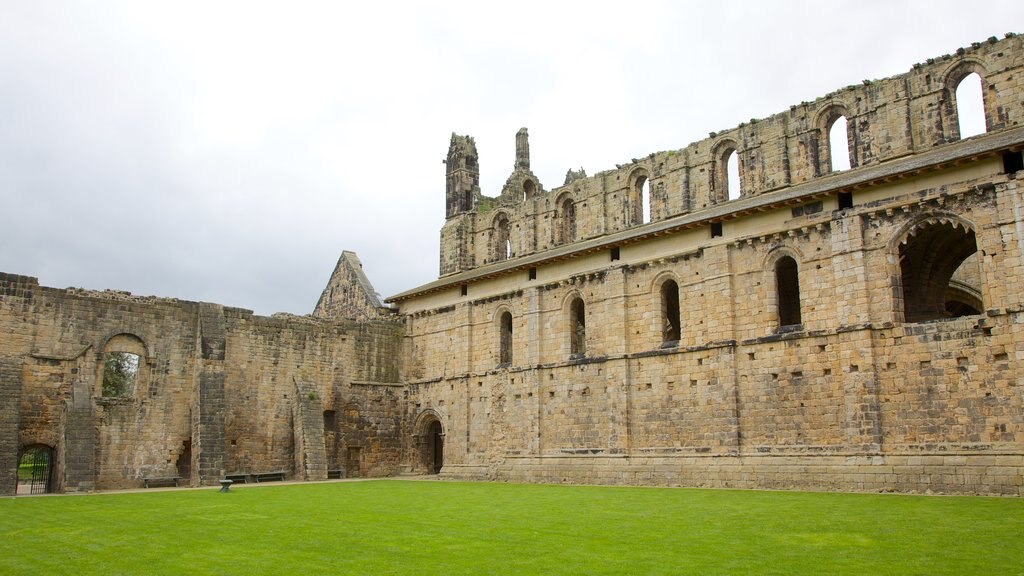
(398, 527)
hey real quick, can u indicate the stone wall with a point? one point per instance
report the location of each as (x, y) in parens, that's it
(853, 330)
(219, 390)
(887, 119)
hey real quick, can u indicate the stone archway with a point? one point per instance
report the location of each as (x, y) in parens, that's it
(435, 447)
(429, 441)
(35, 470)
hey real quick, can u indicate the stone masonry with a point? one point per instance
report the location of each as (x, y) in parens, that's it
(811, 328)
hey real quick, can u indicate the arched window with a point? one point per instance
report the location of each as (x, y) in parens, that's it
(566, 221)
(787, 291)
(725, 176)
(645, 201)
(528, 189)
(502, 239)
(505, 338)
(733, 187)
(577, 328)
(970, 106)
(122, 366)
(639, 199)
(938, 277)
(670, 312)
(839, 144)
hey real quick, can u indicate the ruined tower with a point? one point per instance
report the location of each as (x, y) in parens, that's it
(462, 189)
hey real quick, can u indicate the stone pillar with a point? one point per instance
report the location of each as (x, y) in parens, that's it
(522, 150)
(308, 422)
(81, 438)
(208, 436)
(10, 400)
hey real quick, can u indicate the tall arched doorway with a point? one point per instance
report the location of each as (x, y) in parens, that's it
(35, 470)
(428, 443)
(435, 447)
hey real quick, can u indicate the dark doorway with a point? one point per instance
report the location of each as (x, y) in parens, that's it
(435, 447)
(184, 463)
(352, 462)
(35, 469)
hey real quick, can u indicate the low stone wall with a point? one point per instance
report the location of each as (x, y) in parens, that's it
(954, 473)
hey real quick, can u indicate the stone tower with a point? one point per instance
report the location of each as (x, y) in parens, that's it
(462, 190)
(463, 176)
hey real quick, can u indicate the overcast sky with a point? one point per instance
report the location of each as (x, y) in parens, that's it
(229, 151)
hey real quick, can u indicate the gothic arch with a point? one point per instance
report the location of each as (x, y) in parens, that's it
(666, 291)
(501, 237)
(783, 265)
(951, 79)
(428, 442)
(635, 197)
(574, 310)
(565, 219)
(826, 118)
(504, 321)
(929, 251)
(130, 341)
(121, 366)
(720, 154)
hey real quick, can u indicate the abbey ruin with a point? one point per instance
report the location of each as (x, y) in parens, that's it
(652, 324)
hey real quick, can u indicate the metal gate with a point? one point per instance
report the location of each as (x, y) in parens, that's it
(34, 470)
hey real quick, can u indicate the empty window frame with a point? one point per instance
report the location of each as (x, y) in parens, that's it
(120, 372)
(502, 240)
(670, 312)
(970, 106)
(505, 338)
(839, 144)
(566, 220)
(939, 275)
(732, 183)
(787, 292)
(577, 328)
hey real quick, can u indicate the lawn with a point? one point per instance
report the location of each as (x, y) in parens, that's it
(406, 527)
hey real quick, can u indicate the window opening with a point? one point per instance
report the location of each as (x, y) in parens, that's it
(716, 229)
(1013, 162)
(502, 238)
(938, 276)
(531, 274)
(567, 230)
(670, 311)
(505, 344)
(464, 289)
(578, 328)
(645, 201)
(845, 200)
(615, 253)
(838, 145)
(732, 170)
(787, 284)
(120, 370)
(970, 106)
(528, 189)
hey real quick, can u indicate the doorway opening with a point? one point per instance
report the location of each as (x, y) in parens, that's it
(35, 470)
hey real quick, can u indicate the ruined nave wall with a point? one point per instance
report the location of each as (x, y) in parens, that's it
(219, 390)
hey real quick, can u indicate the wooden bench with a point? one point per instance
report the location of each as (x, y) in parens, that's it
(236, 478)
(161, 481)
(335, 474)
(268, 477)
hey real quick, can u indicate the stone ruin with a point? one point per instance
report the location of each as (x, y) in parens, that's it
(657, 324)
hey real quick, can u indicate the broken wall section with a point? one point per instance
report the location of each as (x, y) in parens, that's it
(349, 294)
